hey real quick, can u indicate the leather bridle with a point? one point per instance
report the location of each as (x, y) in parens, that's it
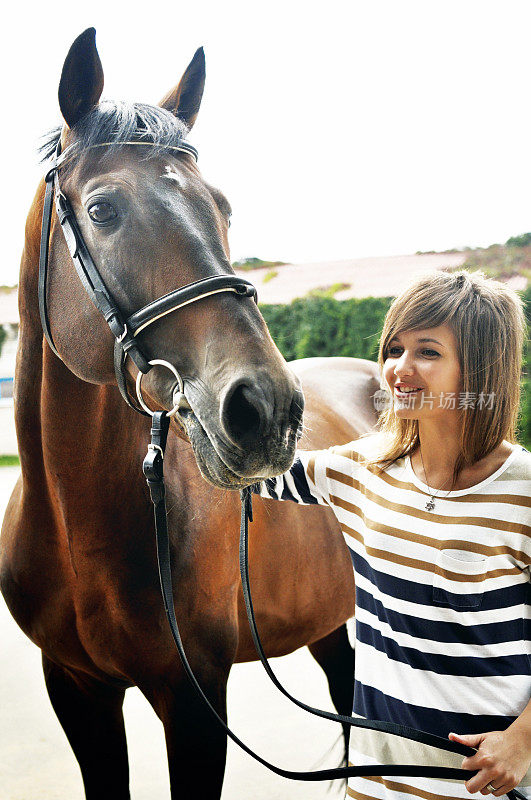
(125, 331)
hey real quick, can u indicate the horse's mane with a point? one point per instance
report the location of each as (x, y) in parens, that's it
(115, 123)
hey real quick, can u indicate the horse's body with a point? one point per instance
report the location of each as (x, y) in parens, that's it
(78, 565)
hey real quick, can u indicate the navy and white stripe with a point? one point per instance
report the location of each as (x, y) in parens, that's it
(293, 485)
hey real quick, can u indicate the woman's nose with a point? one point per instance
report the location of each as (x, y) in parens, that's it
(403, 366)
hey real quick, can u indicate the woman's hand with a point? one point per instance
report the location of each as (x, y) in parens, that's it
(502, 759)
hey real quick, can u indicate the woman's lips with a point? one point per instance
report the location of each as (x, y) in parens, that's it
(402, 394)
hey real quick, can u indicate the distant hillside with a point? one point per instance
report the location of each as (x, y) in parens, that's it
(509, 262)
(282, 283)
(382, 276)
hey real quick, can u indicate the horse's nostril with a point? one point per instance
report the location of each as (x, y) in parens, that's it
(248, 414)
(242, 413)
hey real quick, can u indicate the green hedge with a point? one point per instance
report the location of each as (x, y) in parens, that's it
(322, 326)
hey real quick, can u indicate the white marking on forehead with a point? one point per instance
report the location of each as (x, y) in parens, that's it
(172, 175)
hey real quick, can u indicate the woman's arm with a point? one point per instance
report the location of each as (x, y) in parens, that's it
(502, 758)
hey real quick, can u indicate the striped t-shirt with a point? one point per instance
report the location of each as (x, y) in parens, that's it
(443, 601)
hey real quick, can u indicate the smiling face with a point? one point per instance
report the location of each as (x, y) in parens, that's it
(422, 371)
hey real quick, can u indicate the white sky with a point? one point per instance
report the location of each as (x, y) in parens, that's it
(336, 129)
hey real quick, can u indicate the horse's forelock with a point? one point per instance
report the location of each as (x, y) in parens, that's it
(116, 123)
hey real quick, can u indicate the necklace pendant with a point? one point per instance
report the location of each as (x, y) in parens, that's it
(430, 505)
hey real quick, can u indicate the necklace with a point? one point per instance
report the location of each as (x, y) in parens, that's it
(430, 505)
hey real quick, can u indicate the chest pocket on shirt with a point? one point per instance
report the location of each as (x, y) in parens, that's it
(459, 579)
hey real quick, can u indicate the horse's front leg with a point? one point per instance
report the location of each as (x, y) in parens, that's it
(90, 713)
(195, 741)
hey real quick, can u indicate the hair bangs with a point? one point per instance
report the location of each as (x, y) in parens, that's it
(427, 303)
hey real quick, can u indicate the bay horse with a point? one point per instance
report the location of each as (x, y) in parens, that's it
(77, 564)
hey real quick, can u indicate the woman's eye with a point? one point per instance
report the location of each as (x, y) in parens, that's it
(393, 351)
(102, 212)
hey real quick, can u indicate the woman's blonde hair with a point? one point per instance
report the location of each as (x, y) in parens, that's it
(488, 321)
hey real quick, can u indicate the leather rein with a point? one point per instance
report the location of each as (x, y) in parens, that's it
(125, 331)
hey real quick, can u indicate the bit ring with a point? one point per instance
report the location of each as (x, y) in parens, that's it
(160, 363)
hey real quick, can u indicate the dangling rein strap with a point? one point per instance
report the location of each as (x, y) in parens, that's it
(153, 468)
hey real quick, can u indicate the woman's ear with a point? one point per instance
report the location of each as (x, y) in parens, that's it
(81, 81)
(183, 100)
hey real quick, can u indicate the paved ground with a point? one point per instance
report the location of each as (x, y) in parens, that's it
(36, 762)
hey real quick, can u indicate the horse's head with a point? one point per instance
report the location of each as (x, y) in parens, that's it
(152, 224)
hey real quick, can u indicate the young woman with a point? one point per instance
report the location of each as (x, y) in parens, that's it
(435, 508)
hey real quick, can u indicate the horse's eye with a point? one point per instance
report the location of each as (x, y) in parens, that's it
(101, 212)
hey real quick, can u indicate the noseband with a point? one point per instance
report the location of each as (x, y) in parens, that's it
(123, 330)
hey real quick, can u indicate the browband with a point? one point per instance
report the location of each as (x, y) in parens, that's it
(182, 147)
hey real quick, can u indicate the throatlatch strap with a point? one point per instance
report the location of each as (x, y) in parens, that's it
(154, 472)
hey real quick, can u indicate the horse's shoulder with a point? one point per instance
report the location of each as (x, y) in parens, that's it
(339, 398)
(336, 368)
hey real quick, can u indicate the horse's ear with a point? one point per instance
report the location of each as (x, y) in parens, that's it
(81, 81)
(184, 100)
